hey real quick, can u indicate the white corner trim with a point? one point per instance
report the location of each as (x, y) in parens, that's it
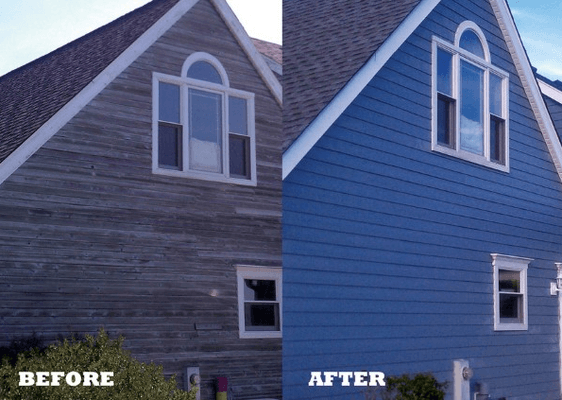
(100, 82)
(308, 138)
(255, 57)
(519, 55)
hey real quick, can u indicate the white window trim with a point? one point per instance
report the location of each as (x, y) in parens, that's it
(185, 83)
(254, 272)
(458, 54)
(511, 263)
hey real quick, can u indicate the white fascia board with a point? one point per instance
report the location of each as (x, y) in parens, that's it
(308, 138)
(255, 57)
(550, 91)
(523, 66)
(100, 82)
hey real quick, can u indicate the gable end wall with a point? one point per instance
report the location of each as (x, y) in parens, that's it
(90, 237)
(387, 244)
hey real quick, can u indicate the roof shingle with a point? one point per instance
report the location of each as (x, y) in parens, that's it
(325, 43)
(32, 94)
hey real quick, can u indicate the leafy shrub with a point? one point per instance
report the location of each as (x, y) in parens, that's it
(21, 345)
(132, 379)
(420, 387)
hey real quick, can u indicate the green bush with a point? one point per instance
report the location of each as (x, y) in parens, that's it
(420, 387)
(132, 379)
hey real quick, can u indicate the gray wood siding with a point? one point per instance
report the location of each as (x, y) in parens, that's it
(387, 244)
(90, 237)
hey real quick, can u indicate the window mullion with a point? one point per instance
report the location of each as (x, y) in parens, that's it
(225, 136)
(486, 113)
(456, 91)
(184, 101)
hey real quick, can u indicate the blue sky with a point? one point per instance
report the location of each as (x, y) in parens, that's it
(540, 26)
(32, 28)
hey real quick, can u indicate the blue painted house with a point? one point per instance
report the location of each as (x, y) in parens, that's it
(422, 202)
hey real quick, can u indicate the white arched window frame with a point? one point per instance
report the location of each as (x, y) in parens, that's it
(185, 107)
(470, 102)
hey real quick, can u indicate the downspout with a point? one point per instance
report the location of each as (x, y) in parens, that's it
(555, 288)
(558, 275)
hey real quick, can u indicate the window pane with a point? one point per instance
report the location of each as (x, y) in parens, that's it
(509, 281)
(239, 154)
(497, 139)
(237, 115)
(511, 307)
(471, 42)
(472, 123)
(496, 95)
(261, 317)
(445, 121)
(262, 290)
(444, 67)
(169, 146)
(204, 71)
(169, 102)
(205, 131)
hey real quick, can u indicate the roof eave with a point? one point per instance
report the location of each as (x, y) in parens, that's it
(319, 125)
(255, 57)
(530, 84)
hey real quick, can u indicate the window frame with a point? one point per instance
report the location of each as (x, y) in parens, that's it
(225, 92)
(244, 272)
(459, 54)
(517, 264)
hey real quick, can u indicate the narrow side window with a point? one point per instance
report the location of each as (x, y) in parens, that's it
(510, 292)
(446, 104)
(169, 126)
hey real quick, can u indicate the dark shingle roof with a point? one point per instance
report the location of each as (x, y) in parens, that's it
(32, 94)
(325, 43)
(268, 49)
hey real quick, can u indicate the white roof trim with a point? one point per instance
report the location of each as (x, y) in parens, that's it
(550, 91)
(530, 84)
(100, 82)
(298, 150)
(308, 138)
(255, 57)
(113, 70)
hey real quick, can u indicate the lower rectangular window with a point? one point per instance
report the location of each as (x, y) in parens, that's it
(259, 302)
(510, 292)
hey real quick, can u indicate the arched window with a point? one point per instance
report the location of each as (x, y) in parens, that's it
(202, 127)
(204, 71)
(470, 37)
(470, 96)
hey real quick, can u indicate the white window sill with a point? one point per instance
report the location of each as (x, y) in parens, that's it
(204, 176)
(471, 157)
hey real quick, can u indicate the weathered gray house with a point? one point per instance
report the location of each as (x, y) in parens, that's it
(140, 190)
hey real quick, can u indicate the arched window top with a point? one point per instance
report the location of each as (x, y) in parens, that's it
(204, 71)
(470, 37)
(205, 67)
(471, 42)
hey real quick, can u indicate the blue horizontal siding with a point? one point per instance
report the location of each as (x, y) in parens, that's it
(387, 244)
